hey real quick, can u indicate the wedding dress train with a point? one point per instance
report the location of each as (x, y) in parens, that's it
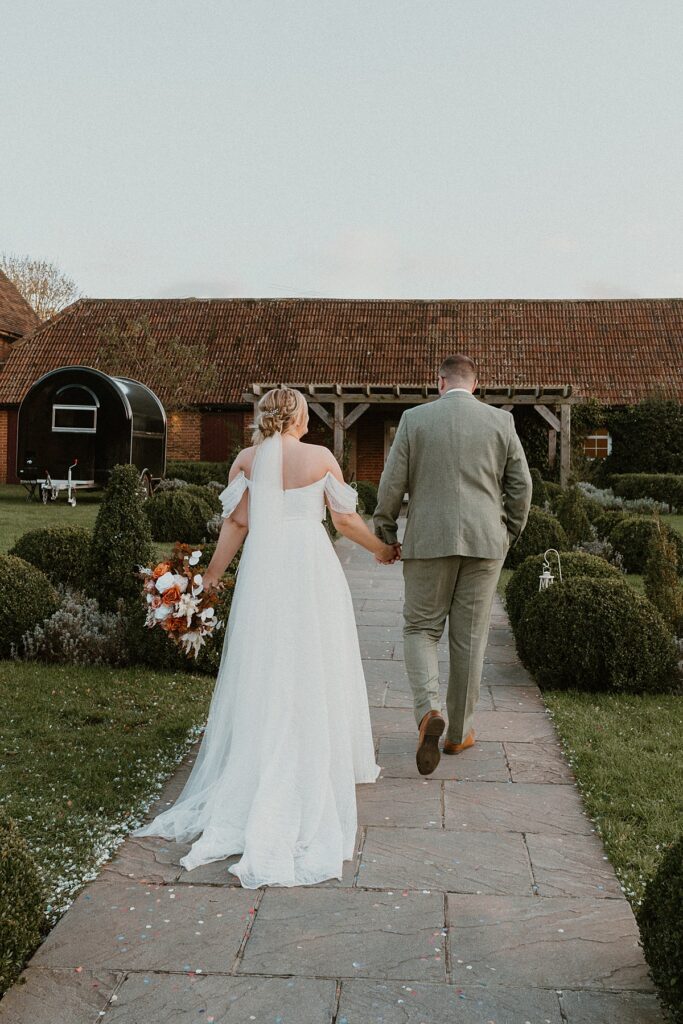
(288, 733)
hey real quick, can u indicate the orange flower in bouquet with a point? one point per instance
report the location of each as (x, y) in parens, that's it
(177, 602)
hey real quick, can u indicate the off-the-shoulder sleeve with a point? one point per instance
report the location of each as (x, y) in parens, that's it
(232, 495)
(341, 497)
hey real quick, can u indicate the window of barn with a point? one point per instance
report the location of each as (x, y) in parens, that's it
(598, 445)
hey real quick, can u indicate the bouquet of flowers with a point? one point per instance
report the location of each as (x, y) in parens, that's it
(177, 601)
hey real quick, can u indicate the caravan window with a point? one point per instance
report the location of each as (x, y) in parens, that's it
(75, 411)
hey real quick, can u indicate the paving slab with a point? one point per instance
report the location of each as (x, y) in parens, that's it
(390, 721)
(515, 807)
(118, 926)
(69, 996)
(401, 802)
(176, 999)
(571, 866)
(542, 761)
(484, 762)
(545, 942)
(611, 1008)
(519, 726)
(516, 698)
(474, 862)
(375, 1002)
(347, 933)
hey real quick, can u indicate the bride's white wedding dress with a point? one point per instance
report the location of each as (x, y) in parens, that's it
(288, 733)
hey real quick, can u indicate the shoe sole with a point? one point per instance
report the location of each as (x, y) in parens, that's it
(428, 754)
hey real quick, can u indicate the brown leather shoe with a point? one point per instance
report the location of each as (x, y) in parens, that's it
(428, 754)
(457, 748)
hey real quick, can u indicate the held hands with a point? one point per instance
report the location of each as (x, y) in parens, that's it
(388, 554)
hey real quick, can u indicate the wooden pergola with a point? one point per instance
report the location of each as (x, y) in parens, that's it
(339, 406)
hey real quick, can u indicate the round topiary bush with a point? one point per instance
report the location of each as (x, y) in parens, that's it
(660, 919)
(62, 552)
(181, 515)
(542, 531)
(26, 598)
(597, 635)
(121, 541)
(633, 536)
(523, 583)
(605, 522)
(539, 494)
(22, 900)
(367, 496)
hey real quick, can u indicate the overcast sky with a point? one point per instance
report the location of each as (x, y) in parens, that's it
(360, 148)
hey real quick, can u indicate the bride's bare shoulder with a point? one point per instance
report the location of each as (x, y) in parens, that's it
(243, 461)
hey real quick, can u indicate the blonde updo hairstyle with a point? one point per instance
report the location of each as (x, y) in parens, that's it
(277, 411)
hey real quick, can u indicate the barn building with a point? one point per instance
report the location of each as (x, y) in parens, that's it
(362, 362)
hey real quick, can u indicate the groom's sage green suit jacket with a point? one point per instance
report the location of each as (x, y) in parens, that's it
(466, 475)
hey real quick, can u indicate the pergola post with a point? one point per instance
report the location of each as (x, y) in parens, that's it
(565, 444)
(338, 430)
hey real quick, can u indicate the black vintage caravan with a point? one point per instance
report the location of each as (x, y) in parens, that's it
(77, 423)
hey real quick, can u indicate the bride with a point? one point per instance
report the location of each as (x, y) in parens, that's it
(288, 733)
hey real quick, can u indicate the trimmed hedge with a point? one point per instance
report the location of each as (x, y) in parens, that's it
(523, 584)
(367, 496)
(596, 635)
(181, 515)
(606, 522)
(539, 493)
(61, 552)
(542, 531)
(660, 919)
(571, 513)
(22, 898)
(26, 598)
(121, 541)
(633, 536)
(197, 472)
(665, 487)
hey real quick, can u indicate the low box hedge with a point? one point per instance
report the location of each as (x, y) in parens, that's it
(367, 496)
(596, 634)
(542, 531)
(22, 900)
(660, 919)
(665, 487)
(197, 472)
(523, 584)
(182, 515)
(26, 597)
(632, 537)
(61, 552)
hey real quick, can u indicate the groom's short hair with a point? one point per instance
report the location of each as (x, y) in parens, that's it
(458, 367)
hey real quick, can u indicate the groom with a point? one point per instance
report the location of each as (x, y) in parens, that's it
(469, 488)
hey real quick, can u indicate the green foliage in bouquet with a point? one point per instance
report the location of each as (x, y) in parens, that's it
(596, 635)
(121, 541)
(62, 552)
(633, 536)
(542, 531)
(26, 598)
(660, 919)
(571, 513)
(523, 584)
(182, 515)
(22, 899)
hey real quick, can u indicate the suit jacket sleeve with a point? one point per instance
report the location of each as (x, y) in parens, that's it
(517, 487)
(392, 487)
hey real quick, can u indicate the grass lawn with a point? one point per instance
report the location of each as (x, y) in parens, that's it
(627, 753)
(80, 751)
(17, 515)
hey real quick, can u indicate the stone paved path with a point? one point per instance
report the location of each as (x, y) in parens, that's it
(480, 895)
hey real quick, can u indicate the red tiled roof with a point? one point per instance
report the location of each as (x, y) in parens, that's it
(617, 351)
(16, 316)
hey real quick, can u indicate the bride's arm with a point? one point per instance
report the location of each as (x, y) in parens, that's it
(233, 532)
(354, 527)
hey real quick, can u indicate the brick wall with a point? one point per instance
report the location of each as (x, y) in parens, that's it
(184, 440)
(370, 440)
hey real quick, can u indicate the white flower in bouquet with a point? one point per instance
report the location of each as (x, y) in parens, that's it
(187, 606)
(194, 557)
(165, 581)
(162, 612)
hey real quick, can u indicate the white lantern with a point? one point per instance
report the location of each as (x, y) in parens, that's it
(546, 579)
